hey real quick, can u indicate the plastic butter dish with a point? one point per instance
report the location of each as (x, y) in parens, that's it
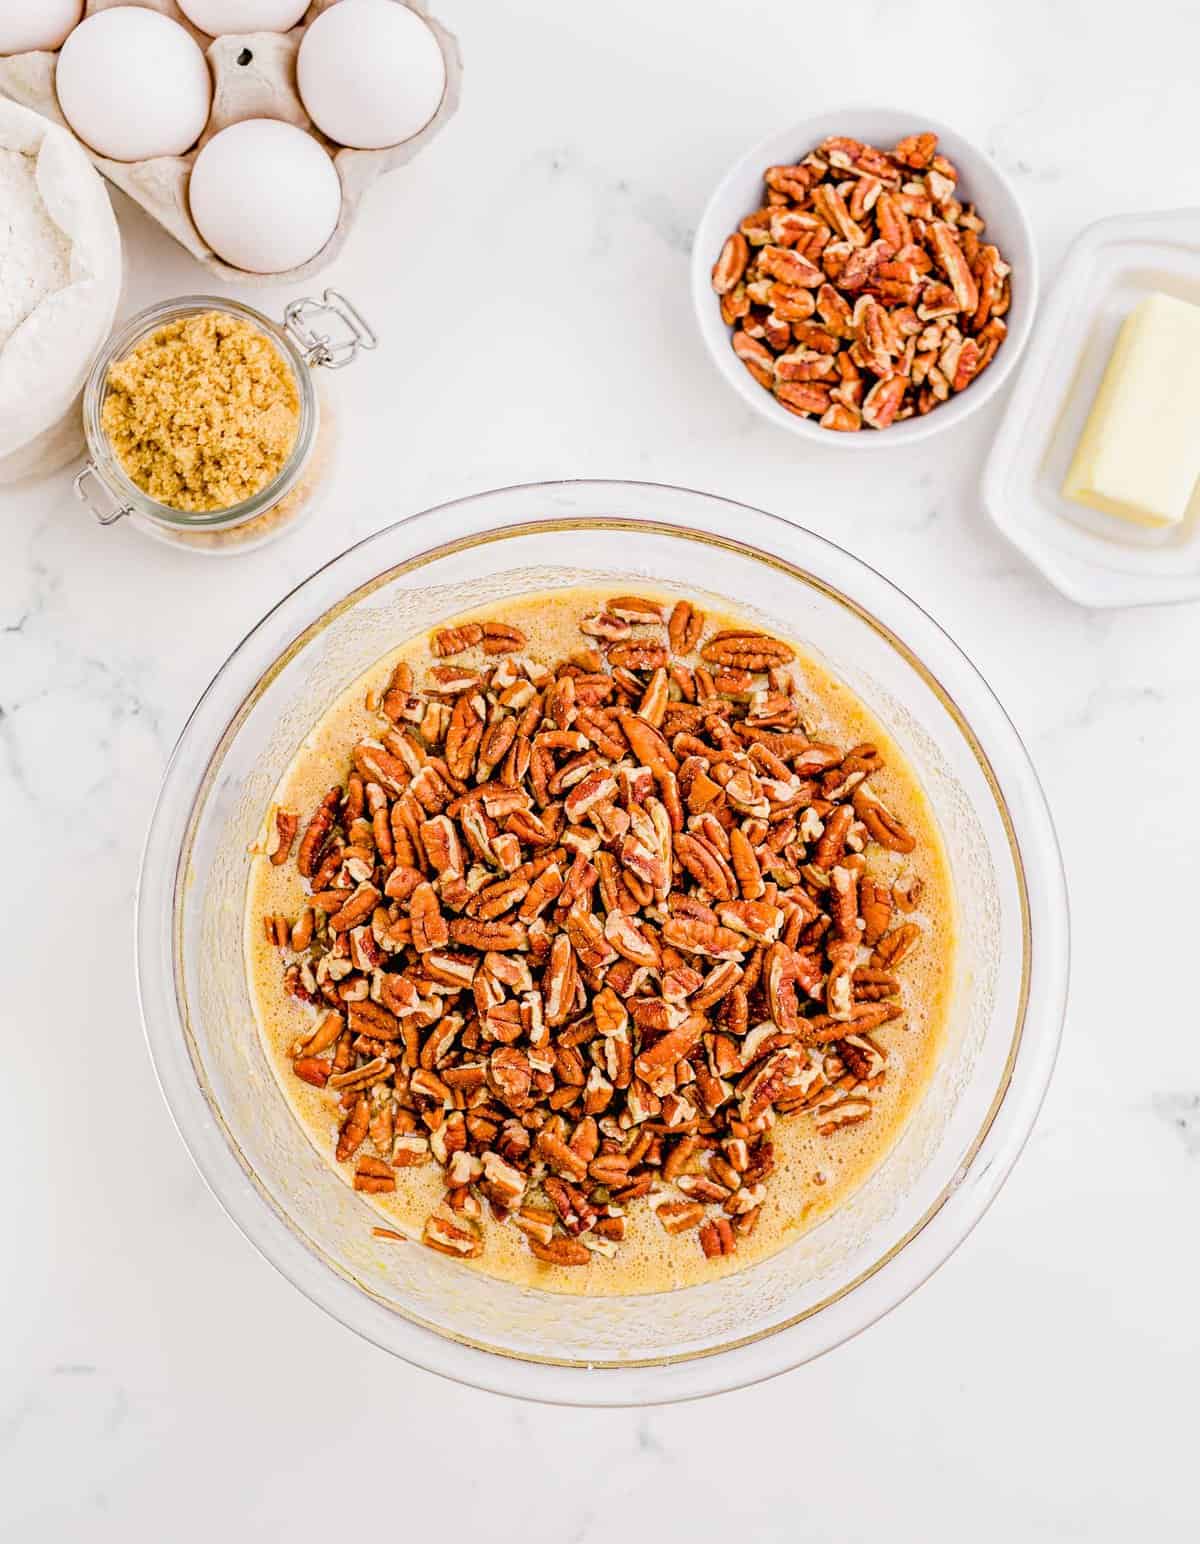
(1096, 559)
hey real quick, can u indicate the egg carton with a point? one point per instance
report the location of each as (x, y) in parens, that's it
(254, 76)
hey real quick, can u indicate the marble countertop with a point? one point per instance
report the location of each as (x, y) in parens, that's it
(528, 276)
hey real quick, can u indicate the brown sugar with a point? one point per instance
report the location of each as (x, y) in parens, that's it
(203, 413)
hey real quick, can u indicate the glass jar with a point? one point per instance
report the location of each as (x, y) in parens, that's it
(325, 333)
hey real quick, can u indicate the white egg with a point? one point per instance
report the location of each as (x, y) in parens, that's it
(133, 84)
(40, 24)
(370, 73)
(220, 18)
(265, 195)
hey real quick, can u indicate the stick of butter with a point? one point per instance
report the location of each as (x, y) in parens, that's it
(1139, 454)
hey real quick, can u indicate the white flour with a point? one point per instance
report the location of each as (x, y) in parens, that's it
(34, 253)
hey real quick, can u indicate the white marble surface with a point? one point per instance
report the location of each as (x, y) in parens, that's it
(528, 275)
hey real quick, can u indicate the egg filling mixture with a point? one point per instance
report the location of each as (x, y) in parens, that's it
(601, 945)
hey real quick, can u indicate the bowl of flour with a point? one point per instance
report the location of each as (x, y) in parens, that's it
(60, 283)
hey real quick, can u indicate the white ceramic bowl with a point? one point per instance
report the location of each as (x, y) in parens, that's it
(980, 183)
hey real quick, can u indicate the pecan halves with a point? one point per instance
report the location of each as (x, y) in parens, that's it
(883, 825)
(429, 928)
(580, 931)
(874, 244)
(560, 1250)
(374, 1176)
(684, 627)
(286, 825)
(448, 641)
(747, 650)
(502, 638)
(452, 1236)
(317, 832)
(875, 902)
(717, 1238)
(896, 946)
(354, 1129)
(731, 264)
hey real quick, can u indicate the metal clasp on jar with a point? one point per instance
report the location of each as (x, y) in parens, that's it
(108, 513)
(302, 318)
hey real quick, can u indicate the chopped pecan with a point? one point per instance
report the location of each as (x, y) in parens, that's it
(354, 1129)
(637, 655)
(846, 1112)
(509, 1074)
(456, 640)
(731, 264)
(700, 937)
(317, 832)
(377, 1070)
(452, 1236)
(311, 1069)
(706, 866)
(286, 825)
(875, 903)
(560, 1250)
(680, 1216)
(747, 650)
(684, 627)
(635, 608)
(536, 1222)
(896, 946)
(429, 928)
(502, 936)
(505, 1184)
(374, 1176)
(369, 1019)
(359, 905)
(716, 1238)
(883, 826)
(502, 638)
(756, 357)
(561, 1158)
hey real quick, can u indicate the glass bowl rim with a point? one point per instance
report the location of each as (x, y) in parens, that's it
(457, 1356)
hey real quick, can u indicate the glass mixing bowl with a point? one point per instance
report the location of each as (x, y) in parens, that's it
(952, 1156)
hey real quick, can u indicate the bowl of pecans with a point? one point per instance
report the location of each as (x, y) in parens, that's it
(863, 270)
(601, 942)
